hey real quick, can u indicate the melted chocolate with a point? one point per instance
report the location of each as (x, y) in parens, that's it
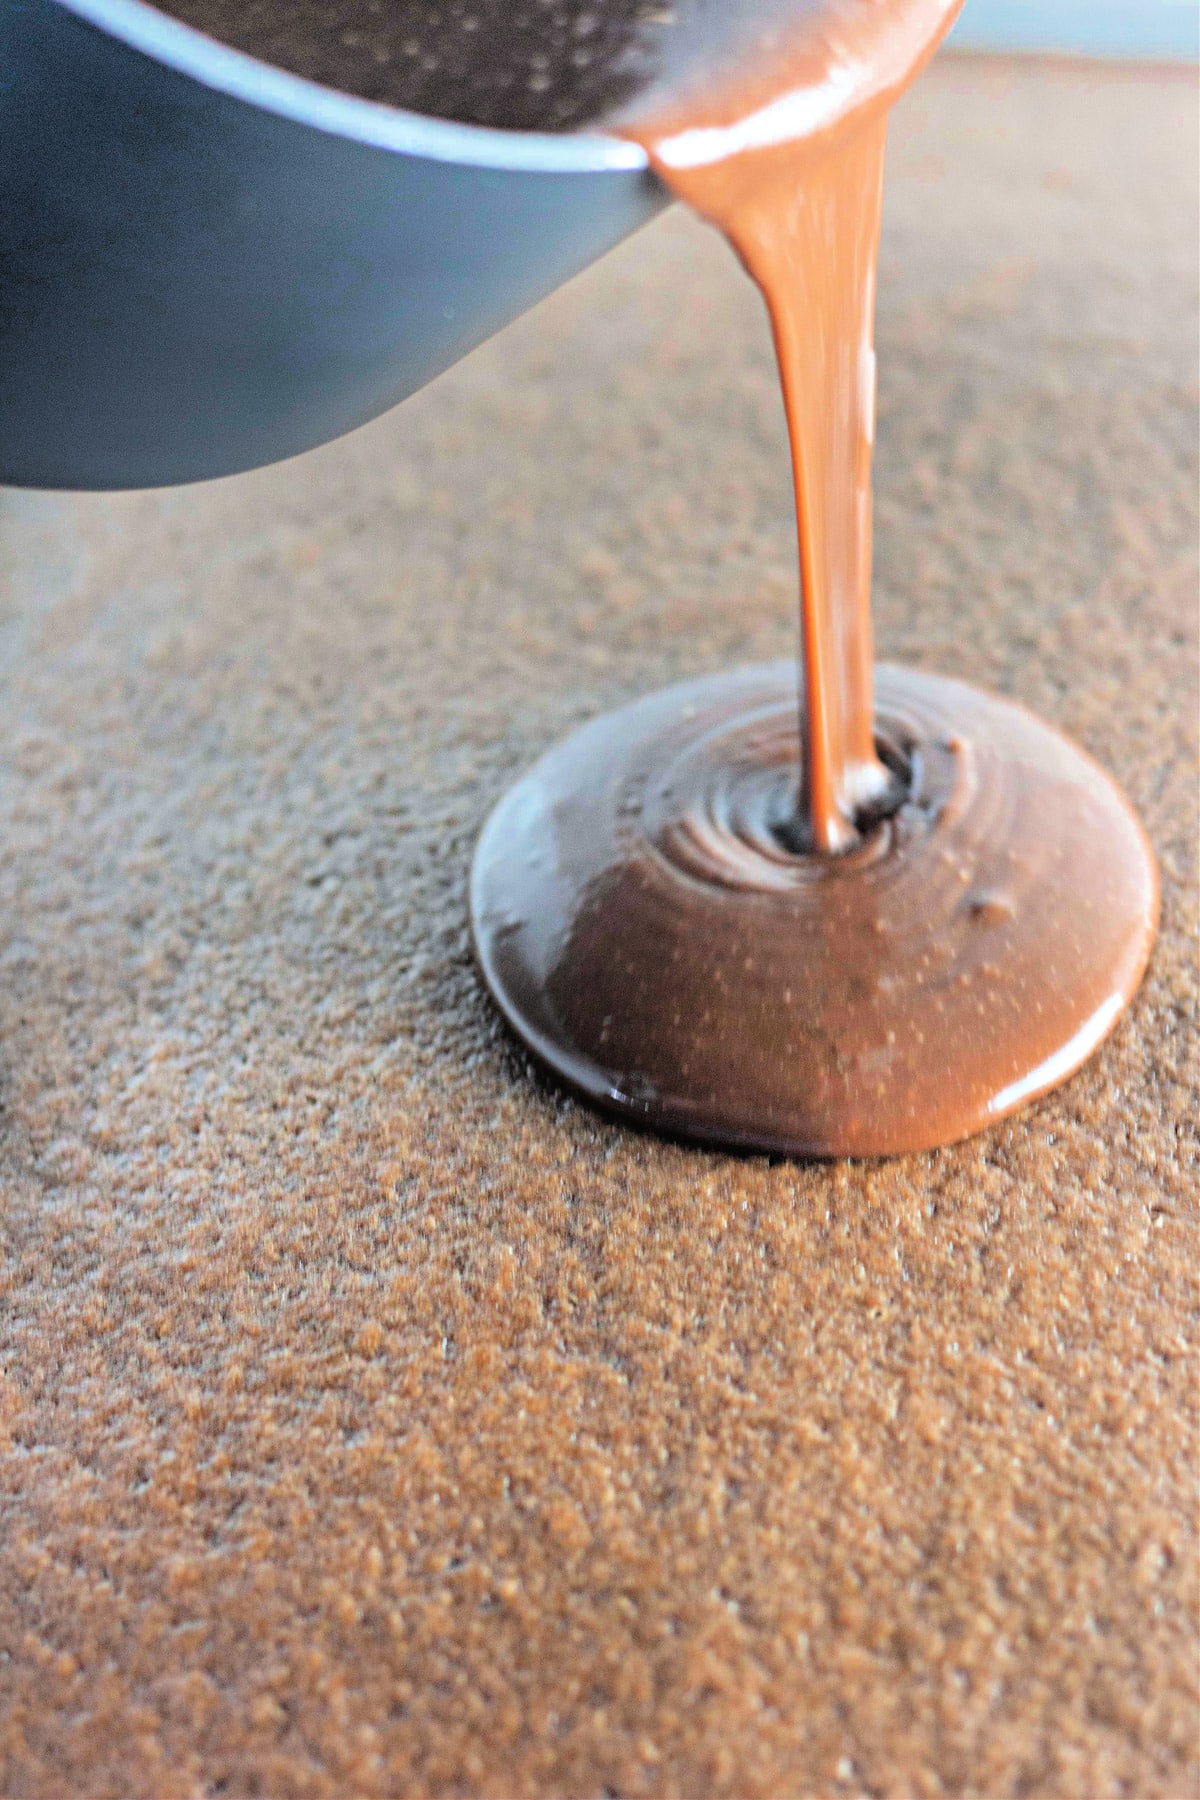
(524, 65)
(887, 930)
(785, 155)
(649, 932)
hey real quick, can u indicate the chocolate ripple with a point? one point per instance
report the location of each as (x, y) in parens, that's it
(651, 936)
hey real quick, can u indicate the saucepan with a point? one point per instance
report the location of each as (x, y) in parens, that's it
(207, 264)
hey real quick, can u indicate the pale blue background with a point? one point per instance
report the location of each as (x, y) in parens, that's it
(1145, 28)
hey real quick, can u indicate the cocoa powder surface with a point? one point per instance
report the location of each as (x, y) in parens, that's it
(376, 1420)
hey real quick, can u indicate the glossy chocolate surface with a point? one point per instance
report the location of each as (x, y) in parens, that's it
(651, 936)
(928, 910)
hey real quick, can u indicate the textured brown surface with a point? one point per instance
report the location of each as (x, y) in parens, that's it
(374, 1420)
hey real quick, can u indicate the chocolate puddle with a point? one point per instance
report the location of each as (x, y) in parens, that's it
(928, 911)
(651, 938)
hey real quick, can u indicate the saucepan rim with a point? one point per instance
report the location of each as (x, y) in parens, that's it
(190, 52)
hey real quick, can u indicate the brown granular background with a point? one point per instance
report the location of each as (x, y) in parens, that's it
(374, 1419)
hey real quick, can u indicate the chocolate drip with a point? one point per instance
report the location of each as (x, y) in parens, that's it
(888, 930)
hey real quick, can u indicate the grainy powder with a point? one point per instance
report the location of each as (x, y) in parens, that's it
(373, 1420)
